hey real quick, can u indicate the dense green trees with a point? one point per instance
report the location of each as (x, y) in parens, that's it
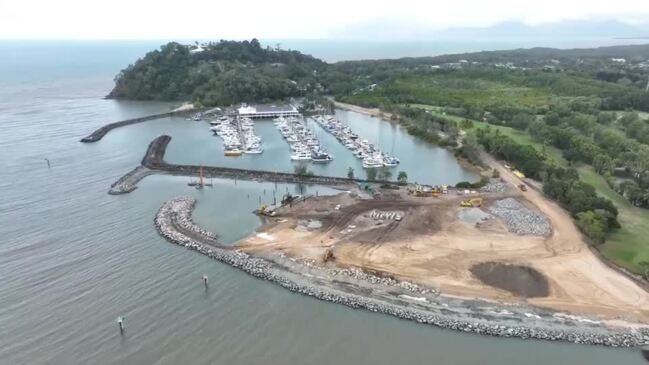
(595, 215)
(525, 157)
(220, 73)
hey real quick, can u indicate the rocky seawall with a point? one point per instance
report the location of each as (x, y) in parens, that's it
(153, 163)
(102, 131)
(154, 160)
(128, 182)
(400, 299)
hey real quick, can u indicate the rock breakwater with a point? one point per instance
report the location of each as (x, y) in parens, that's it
(174, 222)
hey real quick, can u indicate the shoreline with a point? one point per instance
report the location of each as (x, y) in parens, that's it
(387, 117)
(357, 289)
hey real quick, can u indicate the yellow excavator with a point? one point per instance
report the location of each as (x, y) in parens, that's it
(471, 203)
(263, 210)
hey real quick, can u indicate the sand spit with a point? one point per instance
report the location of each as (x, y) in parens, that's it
(357, 289)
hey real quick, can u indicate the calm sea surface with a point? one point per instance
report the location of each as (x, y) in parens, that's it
(73, 258)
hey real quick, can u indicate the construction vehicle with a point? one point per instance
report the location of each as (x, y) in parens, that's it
(471, 203)
(328, 255)
(265, 210)
(426, 191)
(288, 198)
(200, 183)
(519, 174)
(523, 187)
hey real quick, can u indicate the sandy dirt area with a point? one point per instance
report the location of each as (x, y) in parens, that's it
(372, 112)
(430, 245)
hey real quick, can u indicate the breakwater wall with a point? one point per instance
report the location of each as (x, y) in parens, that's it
(101, 132)
(154, 160)
(128, 182)
(173, 222)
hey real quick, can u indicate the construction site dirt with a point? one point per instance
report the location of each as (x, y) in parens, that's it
(428, 241)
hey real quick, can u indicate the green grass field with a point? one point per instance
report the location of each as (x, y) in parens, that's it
(628, 246)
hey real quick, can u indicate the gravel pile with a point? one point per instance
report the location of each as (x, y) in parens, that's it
(495, 187)
(519, 219)
(175, 216)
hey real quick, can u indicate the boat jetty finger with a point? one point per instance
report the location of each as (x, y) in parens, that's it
(302, 141)
(371, 156)
(238, 134)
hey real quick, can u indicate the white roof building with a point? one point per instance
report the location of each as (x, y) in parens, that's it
(267, 111)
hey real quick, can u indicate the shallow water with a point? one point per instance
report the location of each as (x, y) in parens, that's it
(73, 258)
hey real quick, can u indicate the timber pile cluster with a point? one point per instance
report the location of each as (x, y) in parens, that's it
(154, 160)
(101, 132)
(519, 219)
(175, 217)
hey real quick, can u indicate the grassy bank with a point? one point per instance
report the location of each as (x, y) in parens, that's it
(629, 245)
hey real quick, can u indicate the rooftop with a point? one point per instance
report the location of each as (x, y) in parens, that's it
(267, 109)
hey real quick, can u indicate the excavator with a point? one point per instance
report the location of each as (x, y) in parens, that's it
(263, 210)
(471, 203)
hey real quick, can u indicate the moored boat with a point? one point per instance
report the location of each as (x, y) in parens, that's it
(232, 152)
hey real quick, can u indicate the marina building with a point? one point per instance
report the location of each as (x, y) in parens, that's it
(267, 111)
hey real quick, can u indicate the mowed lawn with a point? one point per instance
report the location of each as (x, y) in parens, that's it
(629, 245)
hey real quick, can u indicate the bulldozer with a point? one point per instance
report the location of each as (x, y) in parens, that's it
(471, 203)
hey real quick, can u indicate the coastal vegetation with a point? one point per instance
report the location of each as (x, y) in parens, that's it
(220, 73)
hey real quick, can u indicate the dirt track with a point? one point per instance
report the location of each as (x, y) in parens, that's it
(431, 246)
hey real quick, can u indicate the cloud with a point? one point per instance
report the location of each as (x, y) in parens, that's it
(204, 19)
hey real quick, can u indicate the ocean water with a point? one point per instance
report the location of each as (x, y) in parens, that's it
(73, 258)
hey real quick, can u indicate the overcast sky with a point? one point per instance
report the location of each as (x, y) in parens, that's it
(237, 19)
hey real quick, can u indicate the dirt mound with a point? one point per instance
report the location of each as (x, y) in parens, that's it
(517, 279)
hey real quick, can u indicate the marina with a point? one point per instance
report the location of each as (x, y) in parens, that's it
(302, 141)
(238, 134)
(367, 152)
